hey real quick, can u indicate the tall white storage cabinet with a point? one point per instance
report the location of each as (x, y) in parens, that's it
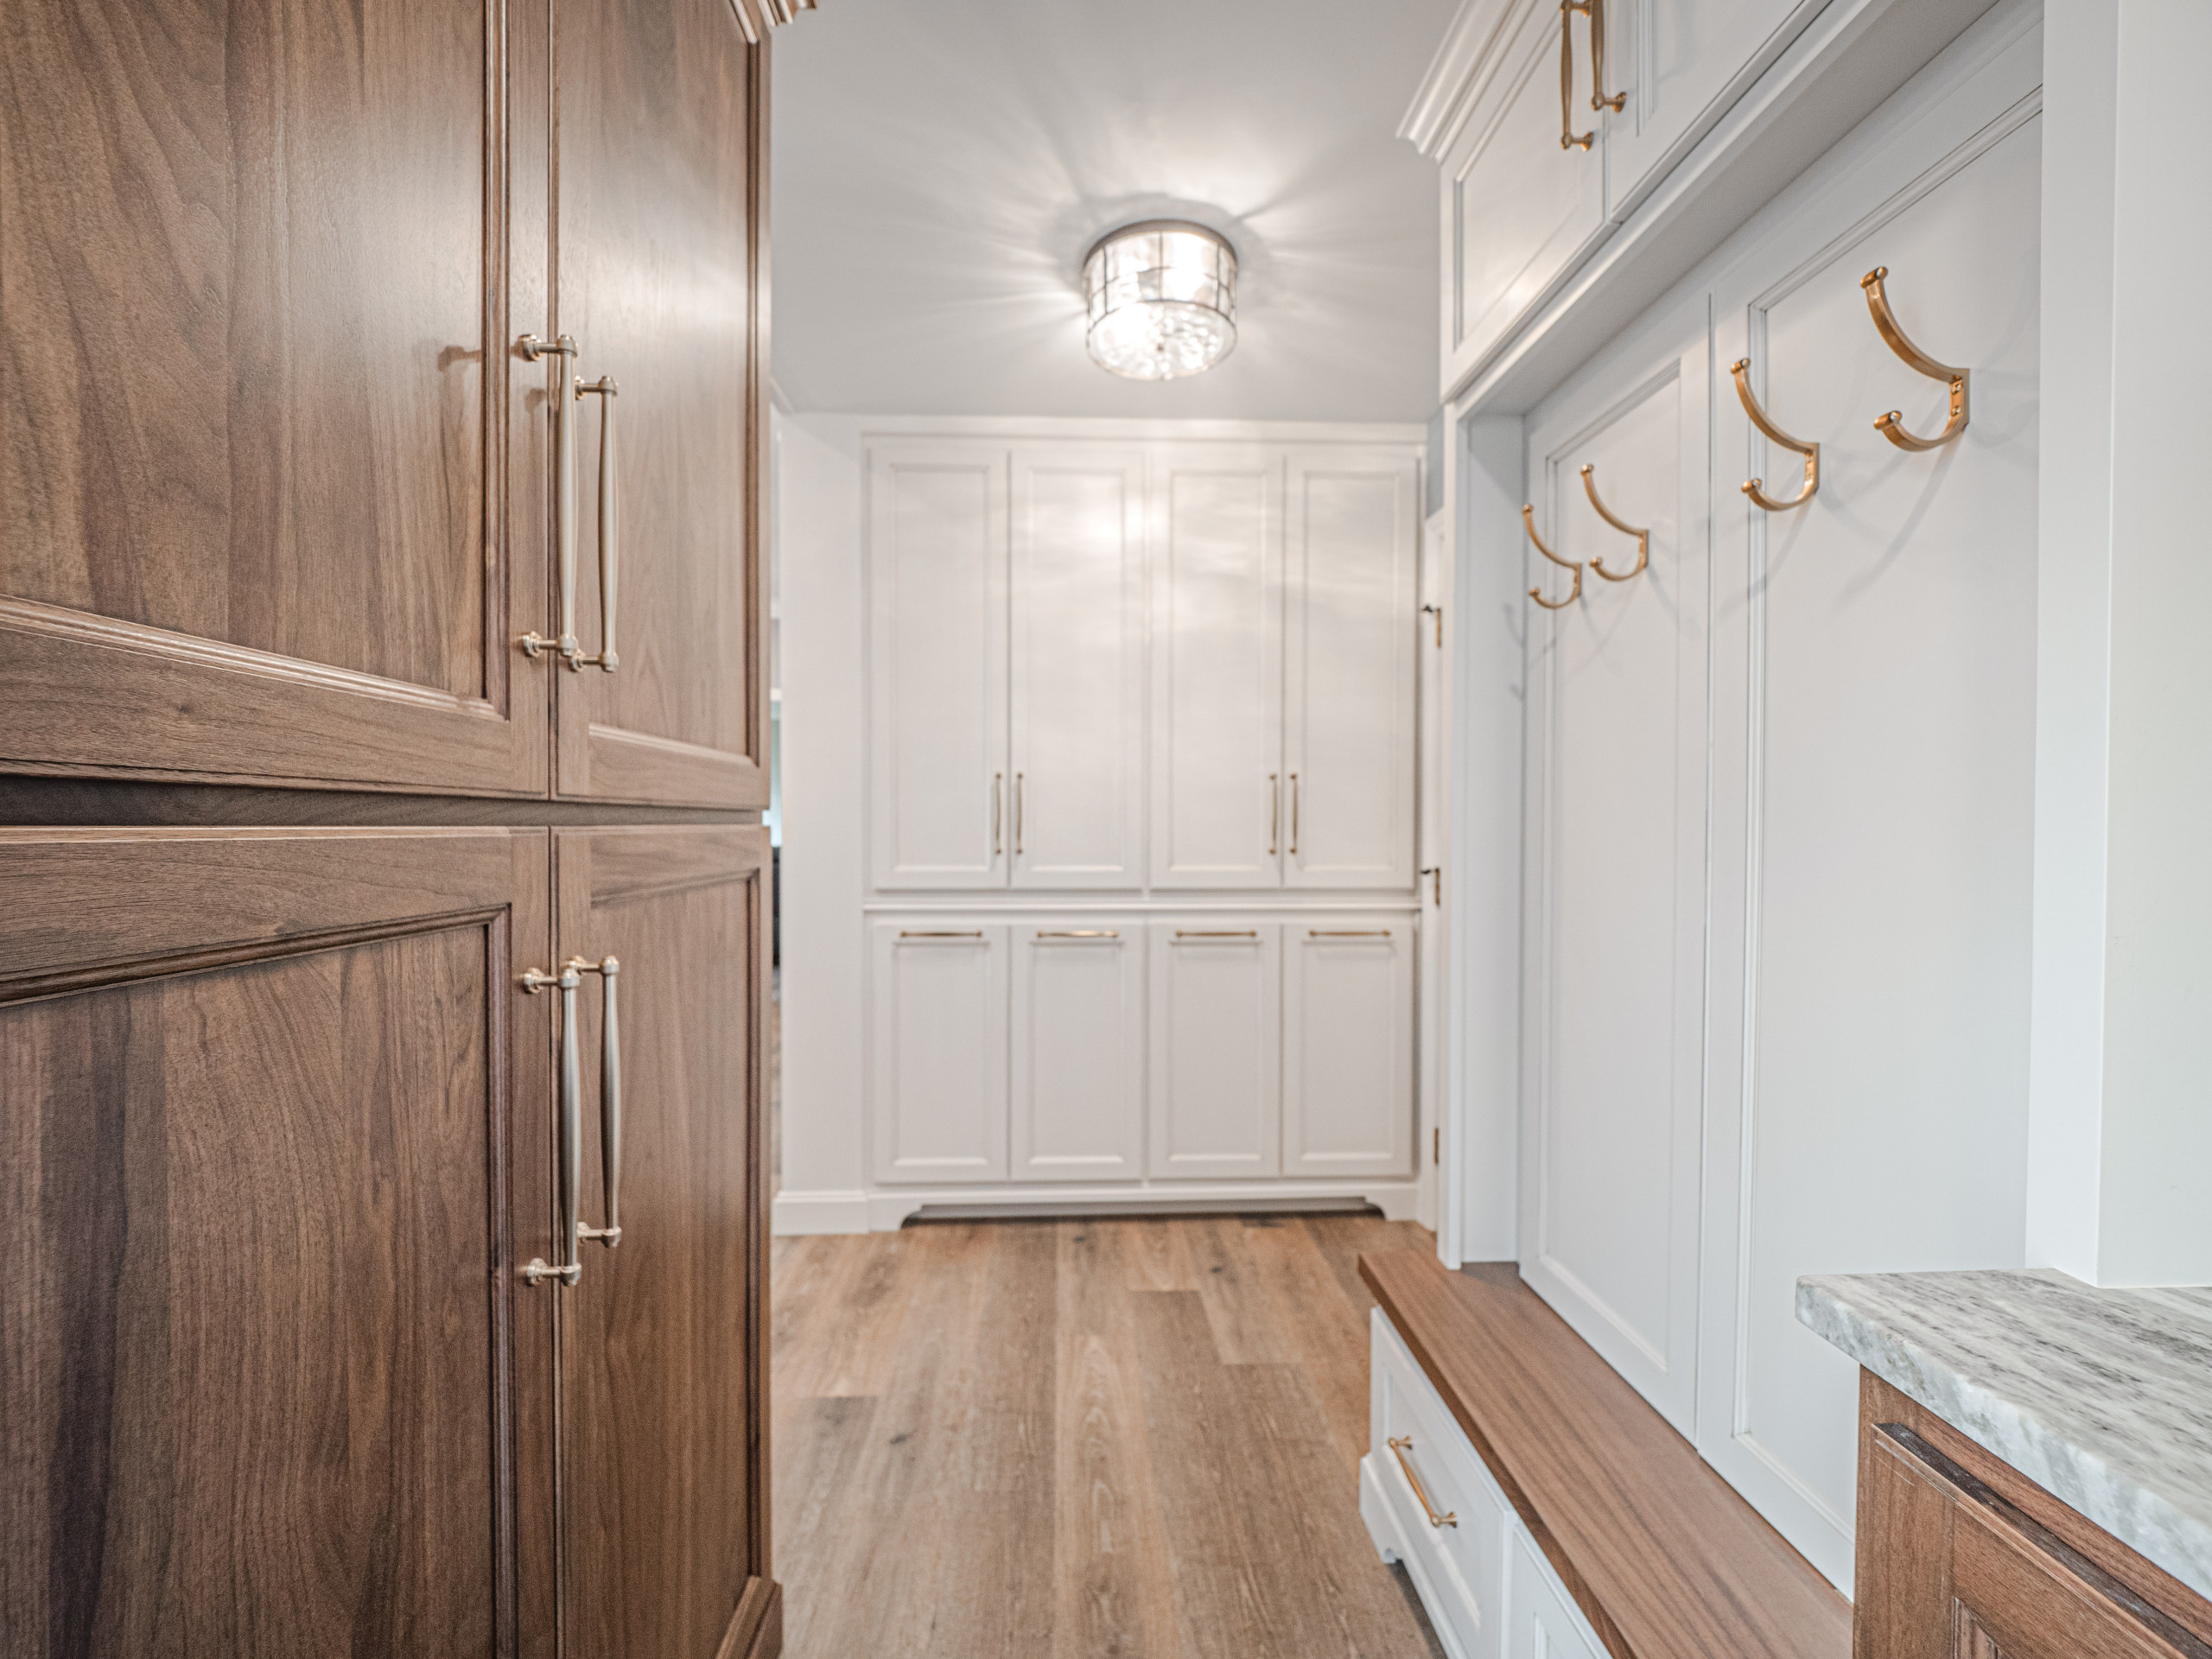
(1145, 721)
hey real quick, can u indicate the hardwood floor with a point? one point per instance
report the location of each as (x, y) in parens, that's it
(1058, 1439)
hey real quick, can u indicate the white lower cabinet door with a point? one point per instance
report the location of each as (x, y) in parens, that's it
(937, 1077)
(1217, 1051)
(1546, 1624)
(1079, 1052)
(1348, 1045)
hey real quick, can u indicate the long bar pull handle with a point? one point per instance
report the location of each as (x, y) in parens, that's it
(1216, 933)
(1080, 933)
(1400, 1445)
(564, 495)
(569, 1268)
(1020, 799)
(610, 544)
(1294, 815)
(610, 1099)
(1597, 98)
(1275, 811)
(1568, 137)
(998, 814)
(940, 933)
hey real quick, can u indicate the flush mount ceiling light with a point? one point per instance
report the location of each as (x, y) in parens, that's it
(1162, 300)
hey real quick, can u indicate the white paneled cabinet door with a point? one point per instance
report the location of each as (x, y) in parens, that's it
(1545, 1624)
(937, 618)
(1875, 777)
(1077, 667)
(1348, 1045)
(1217, 799)
(1079, 1052)
(1519, 209)
(937, 1074)
(1217, 1049)
(1678, 65)
(1614, 893)
(1352, 626)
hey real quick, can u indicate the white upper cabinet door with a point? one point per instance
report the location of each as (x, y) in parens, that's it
(1348, 1045)
(1614, 867)
(1217, 790)
(937, 608)
(937, 1074)
(1874, 792)
(1352, 628)
(1519, 209)
(1077, 805)
(1079, 1052)
(1678, 65)
(1217, 1049)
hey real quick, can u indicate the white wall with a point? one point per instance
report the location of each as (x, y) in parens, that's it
(2120, 1068)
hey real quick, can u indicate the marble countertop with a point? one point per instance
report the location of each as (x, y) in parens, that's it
(2103, 1397)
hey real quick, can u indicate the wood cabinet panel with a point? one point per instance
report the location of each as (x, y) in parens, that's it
(1217, 1048)
(270, 1388)
(250, 280)
(662, 175)
(664, 1508)
(1077, 667)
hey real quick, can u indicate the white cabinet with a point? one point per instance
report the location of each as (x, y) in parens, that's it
(1077, 667)
(1217, 665)
(1614, 902)
(1352, 628)
(937, 643)
(1347, 1021)
(1077, 1055)
(937, 1074)
(1519, 208)
(1217, 1048)
(1546, 1624)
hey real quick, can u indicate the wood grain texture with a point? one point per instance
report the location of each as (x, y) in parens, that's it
(1661, 1553)
(251, 275)
(659, 281)
(1063, 1456)
(258, 1333)
(661, 1436)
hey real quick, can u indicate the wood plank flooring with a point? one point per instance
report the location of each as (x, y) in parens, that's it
(1070, 1439)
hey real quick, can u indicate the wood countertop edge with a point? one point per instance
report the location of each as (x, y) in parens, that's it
(1602, 1572)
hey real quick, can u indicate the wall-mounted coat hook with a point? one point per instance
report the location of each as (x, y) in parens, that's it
(1885, 320)
(1529, 517)
(1642, 537)
(1756, 488)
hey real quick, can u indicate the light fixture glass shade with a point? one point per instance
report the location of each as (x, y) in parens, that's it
(1162, 300)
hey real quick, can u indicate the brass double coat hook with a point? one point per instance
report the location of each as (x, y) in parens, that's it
(1643, 547)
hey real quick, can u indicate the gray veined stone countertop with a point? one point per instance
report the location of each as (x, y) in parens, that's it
(2103, 1397)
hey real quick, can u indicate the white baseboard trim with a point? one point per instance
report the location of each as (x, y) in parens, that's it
(819, 1212)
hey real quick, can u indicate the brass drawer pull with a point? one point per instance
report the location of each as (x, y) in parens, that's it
(1400, 1445)
(1347, 932)
(929, 934)
(1217, 933)
(1081, 933)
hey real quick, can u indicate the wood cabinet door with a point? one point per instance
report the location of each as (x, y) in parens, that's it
(252, 326)
(662, 170)
(277, 1126)
(1217, 668)
(1217, 1049)
(1519, 211)
(1348, 1045)
(1077, 1074)
(938, 810)
(1077, 667)
(1352, 628)
(663, 1362)
(1613, 874)
(937, 1056)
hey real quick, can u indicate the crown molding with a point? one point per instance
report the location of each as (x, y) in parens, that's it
(1447, 89)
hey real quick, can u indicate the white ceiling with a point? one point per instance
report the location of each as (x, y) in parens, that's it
(942, 165)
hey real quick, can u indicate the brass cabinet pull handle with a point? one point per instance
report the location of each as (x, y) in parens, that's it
(1275, 811)
(564, 496)
(998, 814)
(1400, 1445)
(1081, 933)
(1020, 794)
(610, 547)
(569, 1268)
(1597, 98)
(1217, 933)
(1756, 489)
(1529, 517)
(610, 1101)
(930, 933)
(1436, 611)
(1568, 139)
(1294, 815)
(1435, 874)
(1642, 537)
(1347, 932)
(1877, 301)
